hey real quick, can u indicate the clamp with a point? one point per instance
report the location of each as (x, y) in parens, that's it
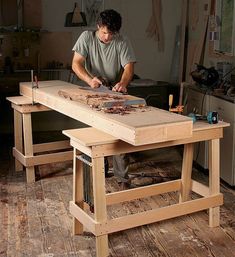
(34, 85)
(178, 108)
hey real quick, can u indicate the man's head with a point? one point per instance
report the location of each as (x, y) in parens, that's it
(109, 23)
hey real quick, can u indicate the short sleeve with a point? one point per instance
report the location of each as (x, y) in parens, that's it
(81, 46)
(127, 54)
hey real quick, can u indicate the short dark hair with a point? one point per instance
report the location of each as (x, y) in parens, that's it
(111, 19)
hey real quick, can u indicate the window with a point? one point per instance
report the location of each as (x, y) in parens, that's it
(225, 24)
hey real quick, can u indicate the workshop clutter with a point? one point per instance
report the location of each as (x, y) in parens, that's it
(35, 50)
(208, 77)
(219, 80)
(224, 69)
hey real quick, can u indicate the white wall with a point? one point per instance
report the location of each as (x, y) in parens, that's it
(136, 13)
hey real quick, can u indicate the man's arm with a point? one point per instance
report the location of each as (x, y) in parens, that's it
(127, 75)
(79, 69)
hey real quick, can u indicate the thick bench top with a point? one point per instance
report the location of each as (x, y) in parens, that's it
(90, 136)
(138, 127)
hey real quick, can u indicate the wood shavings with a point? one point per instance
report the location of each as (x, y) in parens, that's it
(99, 100)
(106, 102)
(105, 96)
(122, 110)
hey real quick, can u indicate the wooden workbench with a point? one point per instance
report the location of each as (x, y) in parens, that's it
(137, 131)
(140, 127)
(98, 144)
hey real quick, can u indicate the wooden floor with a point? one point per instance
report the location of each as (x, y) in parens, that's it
(35, 220)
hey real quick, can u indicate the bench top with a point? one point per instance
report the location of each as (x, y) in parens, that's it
(19, 100)
(139, 126)
(23, 104)
(90, 136)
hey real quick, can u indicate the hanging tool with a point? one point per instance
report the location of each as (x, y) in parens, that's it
(75, 18)
(211, 117)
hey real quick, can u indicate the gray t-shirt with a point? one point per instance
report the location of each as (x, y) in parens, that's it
(106, 60)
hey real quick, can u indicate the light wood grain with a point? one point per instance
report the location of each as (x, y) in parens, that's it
(18, 137)
(110, 145)
(141, 126)
(19, 100)
(214, 179)
(28, 145)
(90, 136)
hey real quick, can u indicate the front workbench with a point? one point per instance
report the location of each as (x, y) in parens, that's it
(98, 145)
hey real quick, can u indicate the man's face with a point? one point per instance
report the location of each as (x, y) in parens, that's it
(104, 34)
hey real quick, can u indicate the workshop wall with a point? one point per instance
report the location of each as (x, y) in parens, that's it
(48, 47)
(197, 32)
(136, 14)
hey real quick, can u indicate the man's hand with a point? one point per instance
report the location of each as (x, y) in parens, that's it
(120, 87)
(95, 82)
(79, 69)
(127, 75)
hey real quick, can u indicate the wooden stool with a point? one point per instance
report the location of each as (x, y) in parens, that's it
(24, 149)
(98, 144)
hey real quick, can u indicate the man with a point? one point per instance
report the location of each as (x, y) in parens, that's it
(105, 55)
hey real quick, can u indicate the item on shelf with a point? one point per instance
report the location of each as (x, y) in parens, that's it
(208, 77)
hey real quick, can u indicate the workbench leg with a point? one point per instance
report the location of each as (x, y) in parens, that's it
(18, 137)
(100, 210)
(77, 190)
(214, 180)
(186, 174)
(28, 145)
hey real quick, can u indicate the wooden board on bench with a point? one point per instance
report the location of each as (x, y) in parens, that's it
(100, 99)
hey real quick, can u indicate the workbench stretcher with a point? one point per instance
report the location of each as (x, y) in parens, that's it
(98, 144)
